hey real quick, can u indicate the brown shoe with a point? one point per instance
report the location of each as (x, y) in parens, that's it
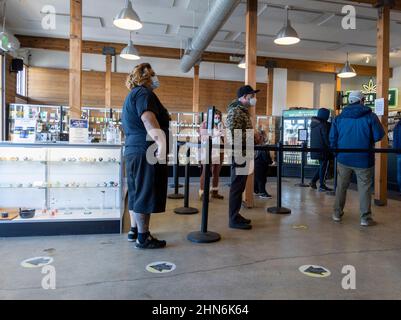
(216, 195)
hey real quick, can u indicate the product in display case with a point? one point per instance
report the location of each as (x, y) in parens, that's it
(46, 120)
(60, 188)
(292, 122)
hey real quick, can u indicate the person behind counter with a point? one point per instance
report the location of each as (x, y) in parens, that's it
(397, 145)
(143, 116)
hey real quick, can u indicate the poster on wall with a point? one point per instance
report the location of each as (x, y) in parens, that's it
(79, 131)
(24, 131)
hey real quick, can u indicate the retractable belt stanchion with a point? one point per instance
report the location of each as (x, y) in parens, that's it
(279, 209)
(333, 193)
(205, 236)
(176, 194)
(176, 171)
(303, 163)
(186, 209)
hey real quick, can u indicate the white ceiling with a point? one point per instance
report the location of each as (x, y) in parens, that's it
(170, 23)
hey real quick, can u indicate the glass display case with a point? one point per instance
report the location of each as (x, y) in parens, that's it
(271, 126)
(48, 121)
(294, 120)
(52, 121)
(73, 189)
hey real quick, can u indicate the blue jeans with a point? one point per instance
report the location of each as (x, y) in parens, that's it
(321, 172)
(399, 171)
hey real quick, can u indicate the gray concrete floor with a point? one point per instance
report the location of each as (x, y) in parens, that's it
(258, 264)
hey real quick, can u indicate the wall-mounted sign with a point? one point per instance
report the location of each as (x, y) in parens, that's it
(370, 92)
(79, 131)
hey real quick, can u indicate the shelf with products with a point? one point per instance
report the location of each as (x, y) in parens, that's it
(53, 187)
(51, 121)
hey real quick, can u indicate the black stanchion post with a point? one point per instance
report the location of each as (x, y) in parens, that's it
(279, 209)
(303, 163)
(333, 193)
(205, 236)
(176, 171)
(176, 194)
(186, 209)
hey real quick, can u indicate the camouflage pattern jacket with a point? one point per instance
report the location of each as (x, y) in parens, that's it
(238, 117)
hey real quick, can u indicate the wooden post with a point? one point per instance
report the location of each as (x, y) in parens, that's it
(75, 90)
(383, 75)
(269, 98)
(109, 60)
(250, 76)
(196, 87)
(338, 89)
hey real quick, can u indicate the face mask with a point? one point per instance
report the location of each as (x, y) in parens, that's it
(253, 102)
(216, 121)
(155, 83)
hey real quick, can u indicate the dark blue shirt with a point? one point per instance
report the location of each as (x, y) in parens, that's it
(138, 101)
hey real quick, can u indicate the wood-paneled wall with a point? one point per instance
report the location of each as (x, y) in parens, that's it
(50, 86)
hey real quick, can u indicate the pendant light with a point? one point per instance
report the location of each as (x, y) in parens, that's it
(242, 63)
(287, 35)
(347, 71)
(130, 52)
(128, 19)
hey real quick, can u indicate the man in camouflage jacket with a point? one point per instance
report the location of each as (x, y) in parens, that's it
(238, 118)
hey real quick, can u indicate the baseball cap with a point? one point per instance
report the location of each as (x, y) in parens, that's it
(246, 90)
(355, 96)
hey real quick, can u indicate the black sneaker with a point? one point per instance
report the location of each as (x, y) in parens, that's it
(324, 189)
(151, 243)
(133, 234)
(265, 196)
(241, 219)
(313, 186)
(240, 225)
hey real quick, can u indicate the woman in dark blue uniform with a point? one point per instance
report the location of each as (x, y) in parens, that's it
(145, 123)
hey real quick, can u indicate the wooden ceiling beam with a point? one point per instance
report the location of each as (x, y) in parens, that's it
(96, 47)
(375, 3)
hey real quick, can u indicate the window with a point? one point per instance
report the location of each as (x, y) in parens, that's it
(21, 82)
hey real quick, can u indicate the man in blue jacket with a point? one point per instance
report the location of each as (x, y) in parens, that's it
(397, 145)
(356, 128)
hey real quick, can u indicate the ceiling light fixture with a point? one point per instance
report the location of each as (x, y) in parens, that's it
(130, 52)
(128, 19)
(347, 71)
(368, 59)
(287, 35)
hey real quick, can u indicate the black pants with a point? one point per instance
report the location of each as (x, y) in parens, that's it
(238, 184)
(321, 172)
(260, 179)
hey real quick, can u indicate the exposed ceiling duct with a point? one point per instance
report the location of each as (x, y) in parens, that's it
(214, 21)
